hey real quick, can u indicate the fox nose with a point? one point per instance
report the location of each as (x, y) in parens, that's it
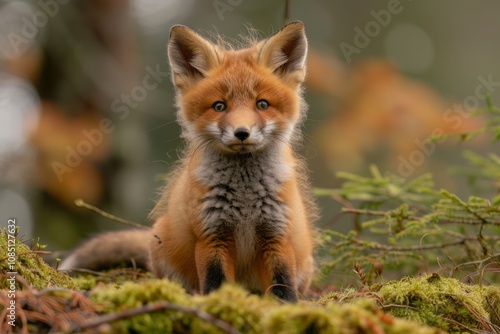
(242, 133)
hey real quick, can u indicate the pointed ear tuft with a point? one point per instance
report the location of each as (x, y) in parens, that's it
(285, 52)
(190, 55)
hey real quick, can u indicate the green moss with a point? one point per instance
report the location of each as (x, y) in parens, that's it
(301, 319)
(230, 304)
(235, 306)
(492, 302)
(131, 295)
(364, 316)
(31, 267)
(344, 296)
(361, 316)
(245, 312)
(441, 302)
(337, 296)
(86, 281)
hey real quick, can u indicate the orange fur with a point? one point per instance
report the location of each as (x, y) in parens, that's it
(181, 246)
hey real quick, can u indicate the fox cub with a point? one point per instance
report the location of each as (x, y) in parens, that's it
(237, 208)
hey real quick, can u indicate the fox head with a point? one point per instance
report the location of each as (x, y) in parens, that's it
(239, 101)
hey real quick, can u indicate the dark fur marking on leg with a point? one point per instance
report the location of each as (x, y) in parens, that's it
(214, 277)
(283, 286)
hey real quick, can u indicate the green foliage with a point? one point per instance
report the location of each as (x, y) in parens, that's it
(403, 226)
(486, 169)
(415, 234)
(378, 189)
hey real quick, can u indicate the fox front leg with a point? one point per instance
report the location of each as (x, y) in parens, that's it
(214, 264)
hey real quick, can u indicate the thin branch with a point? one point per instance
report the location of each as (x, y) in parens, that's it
(153, 308)
(84, 271)
(441, 221)
(364, 212)
(422, 252)
(347, 205)
(416, 248)
(378, 246)
(478, 262)
(82, 204)
(462, 325)
(493, 309)
(467, 222)
(343, 201)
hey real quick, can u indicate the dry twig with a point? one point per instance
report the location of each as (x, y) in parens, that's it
(82, 204)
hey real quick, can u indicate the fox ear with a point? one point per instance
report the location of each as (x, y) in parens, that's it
(190, 55)
(285, 52)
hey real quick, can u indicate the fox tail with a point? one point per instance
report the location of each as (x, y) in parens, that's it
(110, 249)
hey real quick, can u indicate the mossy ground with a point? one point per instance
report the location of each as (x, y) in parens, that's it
(443, 302)
(30, 266)
(55, 302)
(244, 312)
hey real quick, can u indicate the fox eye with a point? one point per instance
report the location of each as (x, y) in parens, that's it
(219, 106)
(262, 104)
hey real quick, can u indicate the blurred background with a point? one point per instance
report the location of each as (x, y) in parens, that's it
(86, 103)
